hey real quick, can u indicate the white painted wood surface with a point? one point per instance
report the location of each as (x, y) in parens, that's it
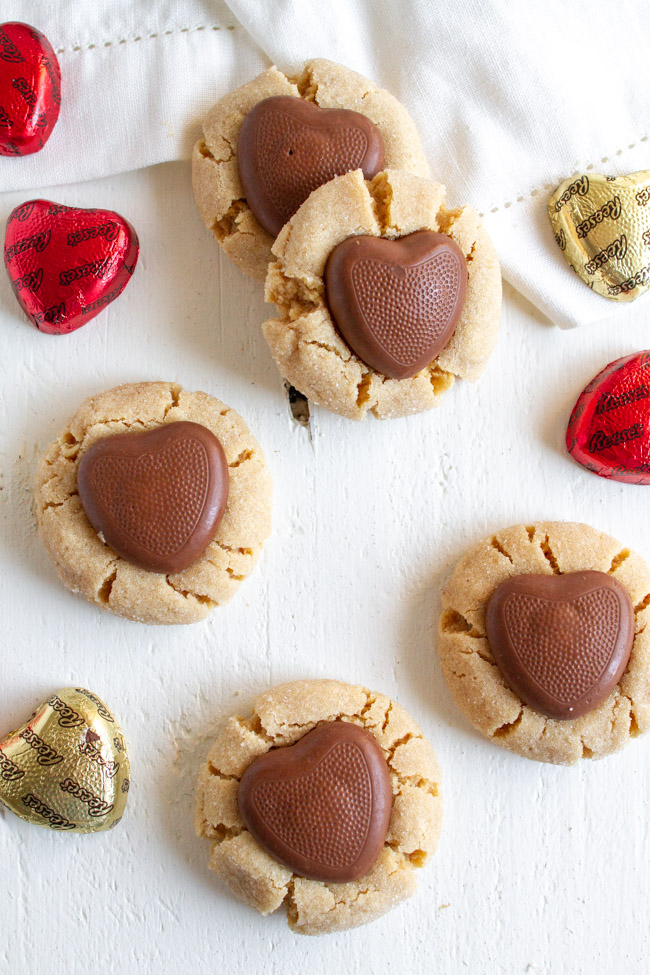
(540, 869)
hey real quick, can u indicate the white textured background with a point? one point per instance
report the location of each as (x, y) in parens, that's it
(540, 869)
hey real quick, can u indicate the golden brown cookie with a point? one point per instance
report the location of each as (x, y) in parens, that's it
(88, 565)
(309, 350)
(280, 717)
(215, 172)
(478, 686)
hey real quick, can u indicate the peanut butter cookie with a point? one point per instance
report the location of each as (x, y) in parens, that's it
(173, 513)
(433, 314)
(217, 174)
(544, 643)
(252, 765)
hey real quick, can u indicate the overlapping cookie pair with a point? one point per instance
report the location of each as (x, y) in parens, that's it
(319, 185)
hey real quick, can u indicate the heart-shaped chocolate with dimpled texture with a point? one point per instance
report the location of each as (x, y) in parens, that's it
(288, 147)
(156, 497)
(67, 767)
(30, 89)
(397, 302)
(321, 806)
(562, 642)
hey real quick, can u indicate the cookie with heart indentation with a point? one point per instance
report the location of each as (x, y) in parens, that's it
(154, 502)
(325, 799)
(543, 642)
(268, 144)
(384, 296)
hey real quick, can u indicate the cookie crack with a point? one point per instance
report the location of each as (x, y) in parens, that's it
(440, 380)
(229, 548)
(547, 552)
(106, 588)
(226, 225)
(507, 729)
(496, 544)
(187, 594)
(363, 389)
(454, 622)
(175, 392)
(241, 458)
(59, 504)
(645, 602)
(618, 560)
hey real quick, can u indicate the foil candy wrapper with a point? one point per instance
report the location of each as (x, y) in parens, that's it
(602, 226)
(609, 429)
(67, 767)
(30, 89)
(67, 264)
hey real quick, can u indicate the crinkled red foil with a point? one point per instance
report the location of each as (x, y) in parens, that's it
(609, 429)
(67, 264)
(30, 89)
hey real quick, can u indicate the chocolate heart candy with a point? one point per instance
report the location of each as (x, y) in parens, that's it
(157, 497)
(287, 147)
(562, 642)
(602, 225)
(396, 302)
(30, 89)
(67, 767)
(609, 429)
(321, 806)
(67, 264)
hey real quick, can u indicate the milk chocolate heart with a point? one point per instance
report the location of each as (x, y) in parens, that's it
(67, 264)
(321, 806)
(562, 642)
(609, 429)
(157, 497)
(602, 225)
(67, 767)
(30, 89)
(288, 147)
(396, 302)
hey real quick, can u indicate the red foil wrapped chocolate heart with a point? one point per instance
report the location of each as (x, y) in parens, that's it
(67, 264)
(396, 302)
(157, 497)
(288, 147)
(562, 642)
(30, 89)
(321, 806)
(609, 429)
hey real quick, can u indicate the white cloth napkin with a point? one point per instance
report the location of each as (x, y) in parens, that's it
(511, 96)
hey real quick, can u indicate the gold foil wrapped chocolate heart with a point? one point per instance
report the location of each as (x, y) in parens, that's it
(602, 225)
(67, 767)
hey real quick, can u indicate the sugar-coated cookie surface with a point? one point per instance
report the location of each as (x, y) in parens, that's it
(304, 341)
(475, 681)
(215, 173)
(282, 716)
(87, 565)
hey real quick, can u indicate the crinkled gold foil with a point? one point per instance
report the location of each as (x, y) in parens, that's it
(67, 767)
(602, 225)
